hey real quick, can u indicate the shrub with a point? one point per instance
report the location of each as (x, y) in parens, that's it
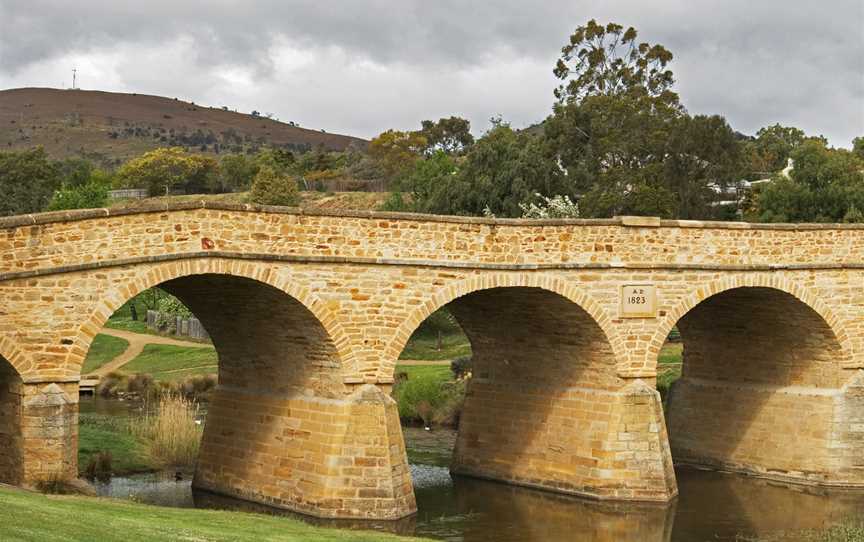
(555, 207)
(450, 409)
(87, 196)
(56, 485)
(461, 367)
(110, 385)
(424, 410)
(273, 188)
(100, 467)
(430, 400)
(140, 383)
(197, 386)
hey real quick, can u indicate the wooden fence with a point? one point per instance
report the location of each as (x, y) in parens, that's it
(128, 193)
(183, 327)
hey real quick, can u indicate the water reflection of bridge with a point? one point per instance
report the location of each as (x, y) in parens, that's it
(711, 506)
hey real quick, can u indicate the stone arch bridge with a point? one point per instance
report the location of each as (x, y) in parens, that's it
(566, 318)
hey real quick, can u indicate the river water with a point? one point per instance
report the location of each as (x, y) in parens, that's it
(711, 506)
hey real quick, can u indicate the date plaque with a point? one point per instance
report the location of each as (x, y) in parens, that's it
(638, 301)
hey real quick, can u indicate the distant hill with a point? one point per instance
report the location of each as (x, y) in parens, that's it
(109, 127)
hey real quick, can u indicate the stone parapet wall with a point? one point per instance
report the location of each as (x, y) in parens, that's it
(43, 242)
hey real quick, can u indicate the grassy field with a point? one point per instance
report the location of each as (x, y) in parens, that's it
(671, 353)
(122, 319)
(433, 386)
(166, 362)
(437, 372)
(425, 347)
(101, 433)
(38, 518)
(103, 349)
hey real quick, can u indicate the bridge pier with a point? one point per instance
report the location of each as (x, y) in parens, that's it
(763, 393)
(329, 458)
(38, 431)
(592, 443)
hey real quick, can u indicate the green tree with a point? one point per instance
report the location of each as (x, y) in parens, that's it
(450, 135)
(166, 169)
(425, 184)
(91, 195)
(703, 158)
(770, 150)
(280, 160)
(397, 151)
(236, 172)
(613, 149)
(272, 187)
(858, 147)
(502, 170)
(76, 171)
(27, 181)
(826, 185)
(607, 60)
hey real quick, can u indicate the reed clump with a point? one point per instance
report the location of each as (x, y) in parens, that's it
(171, 430)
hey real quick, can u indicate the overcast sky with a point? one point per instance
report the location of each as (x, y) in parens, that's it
(362, 66)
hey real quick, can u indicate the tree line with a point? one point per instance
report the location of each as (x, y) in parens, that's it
(618, 141)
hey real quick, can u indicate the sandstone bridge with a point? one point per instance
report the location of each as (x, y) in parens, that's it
(309, 313)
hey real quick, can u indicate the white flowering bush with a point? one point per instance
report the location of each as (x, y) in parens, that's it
(554, 207)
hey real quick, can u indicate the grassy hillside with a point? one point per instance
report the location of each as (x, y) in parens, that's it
(110, 127)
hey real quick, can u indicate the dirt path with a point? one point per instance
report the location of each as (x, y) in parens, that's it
(137, 342)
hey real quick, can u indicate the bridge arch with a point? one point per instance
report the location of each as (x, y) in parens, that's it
(836, 323)
(761, 378)
(11, 444)
(114, 298)
(480, 282)
(15, 357)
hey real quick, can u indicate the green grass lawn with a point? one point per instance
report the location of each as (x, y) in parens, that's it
(437, 372)
(671, 353)
(126, 323)
(425, 347)
(166, 362)
(432, 384)
(103, 349)
(102, 433)
(122, 319)
(39, 518)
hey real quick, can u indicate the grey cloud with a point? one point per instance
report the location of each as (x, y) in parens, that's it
(754, 61)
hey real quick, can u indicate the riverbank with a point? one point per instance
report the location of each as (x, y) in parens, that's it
(34, 517)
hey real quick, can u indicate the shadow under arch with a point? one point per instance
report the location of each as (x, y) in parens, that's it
(545, 406)
(480, 282)
(115, 297)
(835, 322)
(11, 439)
(762, 371)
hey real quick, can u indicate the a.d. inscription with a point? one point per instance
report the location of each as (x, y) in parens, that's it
(638, 301)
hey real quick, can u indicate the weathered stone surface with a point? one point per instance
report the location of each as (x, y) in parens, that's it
(308, 311)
